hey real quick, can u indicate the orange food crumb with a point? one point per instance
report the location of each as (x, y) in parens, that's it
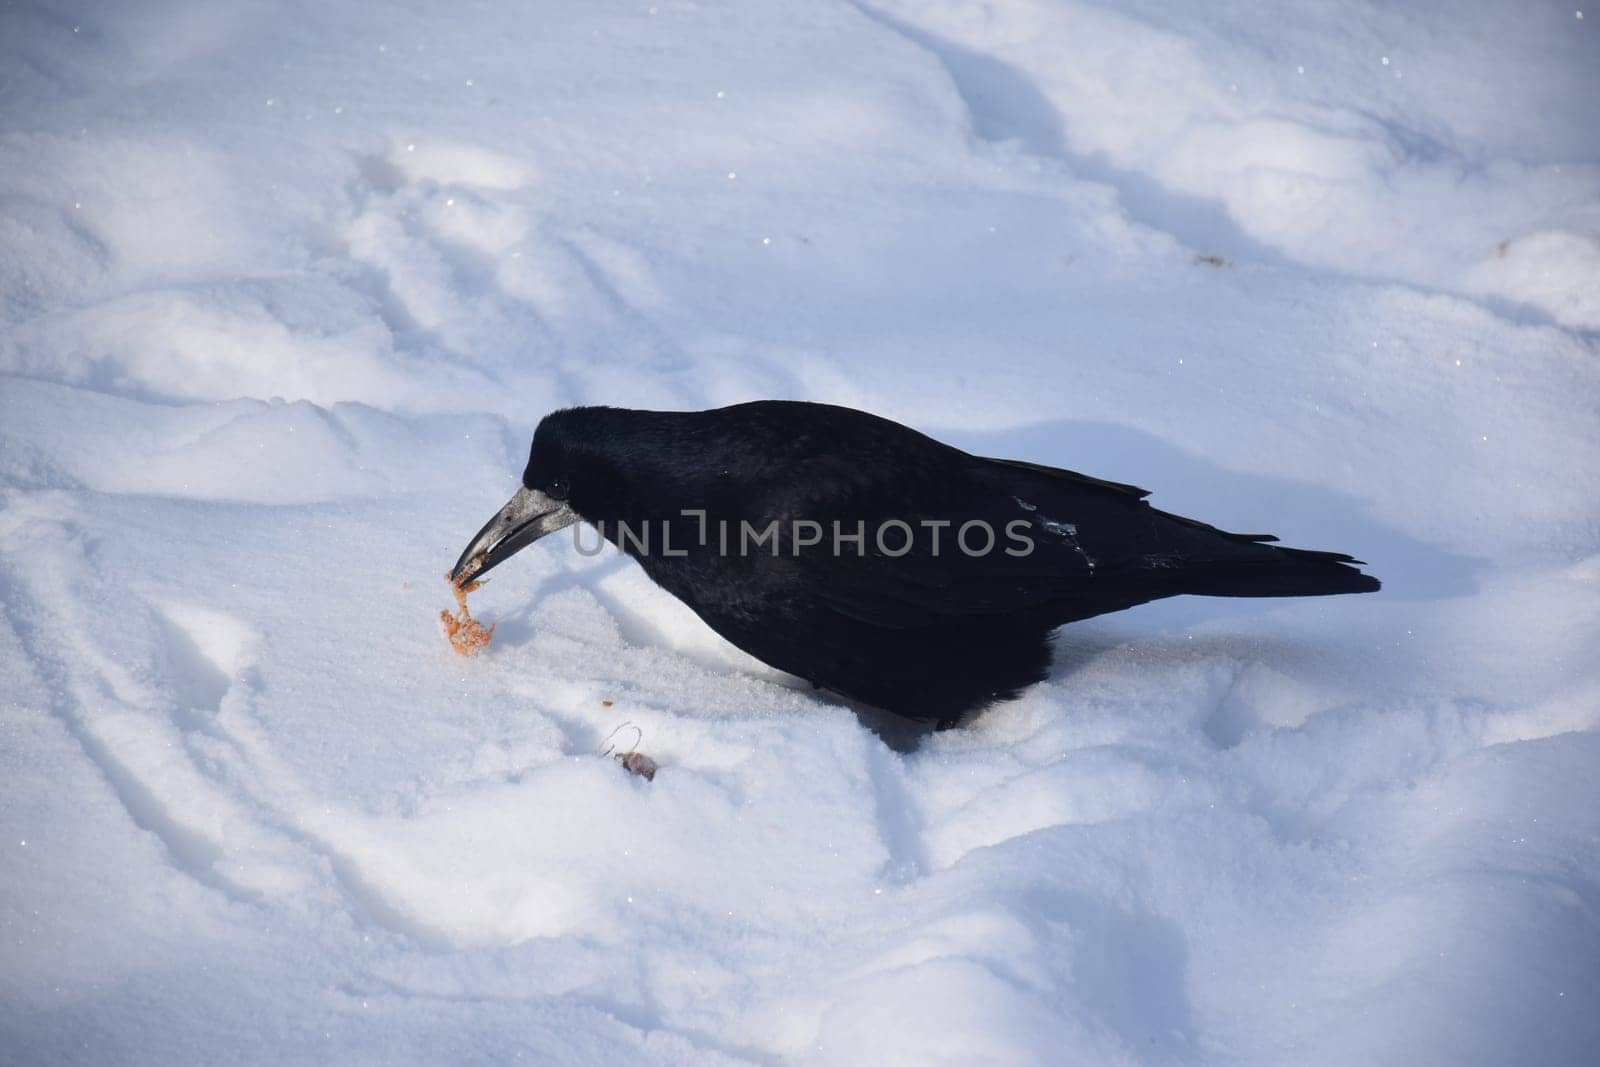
(467, 635)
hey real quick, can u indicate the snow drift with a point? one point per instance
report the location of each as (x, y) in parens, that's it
(286, 287)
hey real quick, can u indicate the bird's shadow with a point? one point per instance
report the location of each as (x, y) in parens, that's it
(899, 733)
(517, 627)
(1302, 514)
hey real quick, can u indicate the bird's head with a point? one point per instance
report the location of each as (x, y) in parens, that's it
(561, 473)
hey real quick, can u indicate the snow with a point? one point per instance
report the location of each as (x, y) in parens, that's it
(285, 289)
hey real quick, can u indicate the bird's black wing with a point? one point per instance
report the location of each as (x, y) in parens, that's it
(1062, 475)
(1063, 545)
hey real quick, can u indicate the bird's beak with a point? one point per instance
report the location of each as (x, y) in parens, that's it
(525, 518)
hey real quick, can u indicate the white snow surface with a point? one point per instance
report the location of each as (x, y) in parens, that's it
(285, 288)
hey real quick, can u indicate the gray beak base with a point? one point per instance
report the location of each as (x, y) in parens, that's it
(526, 517)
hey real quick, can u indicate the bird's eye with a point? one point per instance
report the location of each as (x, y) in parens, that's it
(557, 489)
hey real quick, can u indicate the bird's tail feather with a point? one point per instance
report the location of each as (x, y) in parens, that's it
(1286, 572)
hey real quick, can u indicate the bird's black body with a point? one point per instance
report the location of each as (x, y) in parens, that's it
(928, 634)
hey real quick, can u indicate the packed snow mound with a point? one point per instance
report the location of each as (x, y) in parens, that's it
(1307, 135)
(286, 288)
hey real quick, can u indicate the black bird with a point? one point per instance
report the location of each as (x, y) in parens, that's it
(945, 601)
